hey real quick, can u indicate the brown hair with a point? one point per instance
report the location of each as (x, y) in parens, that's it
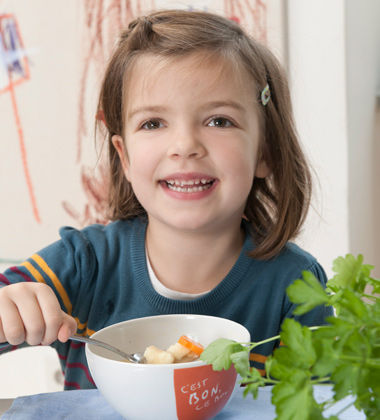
(277, 205)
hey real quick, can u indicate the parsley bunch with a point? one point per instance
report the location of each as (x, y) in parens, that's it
(346, 351)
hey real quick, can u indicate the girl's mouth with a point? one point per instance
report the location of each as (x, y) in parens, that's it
(189, 186)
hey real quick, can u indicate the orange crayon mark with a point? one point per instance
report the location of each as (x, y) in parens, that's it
(23, 154)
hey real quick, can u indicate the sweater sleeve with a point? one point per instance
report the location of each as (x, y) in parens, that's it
(318, 315)
(62, 266)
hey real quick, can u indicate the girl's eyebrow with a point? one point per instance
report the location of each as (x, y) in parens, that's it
(220, 104)
(142, 109)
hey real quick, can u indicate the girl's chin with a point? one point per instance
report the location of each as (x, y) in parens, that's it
(187, 227)
(192, 224)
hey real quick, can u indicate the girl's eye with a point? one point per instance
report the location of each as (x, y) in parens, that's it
(220, 122)
(152, 125)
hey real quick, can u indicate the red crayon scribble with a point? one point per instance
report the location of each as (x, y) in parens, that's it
(251, 14)
(15, 65)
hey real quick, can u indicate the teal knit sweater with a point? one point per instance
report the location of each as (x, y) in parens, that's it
(100, 277)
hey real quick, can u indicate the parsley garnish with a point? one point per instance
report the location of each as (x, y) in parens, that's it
(345, 352)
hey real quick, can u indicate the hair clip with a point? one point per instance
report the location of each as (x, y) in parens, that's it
(265, 95)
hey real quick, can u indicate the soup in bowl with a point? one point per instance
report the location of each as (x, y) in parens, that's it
(188, 390)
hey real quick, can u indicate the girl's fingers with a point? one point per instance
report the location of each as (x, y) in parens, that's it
(68, 328)
(33, 320)
(52, 314)
(31, 312)
(12, 325)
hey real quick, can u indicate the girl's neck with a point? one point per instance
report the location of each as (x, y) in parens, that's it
(192, 262)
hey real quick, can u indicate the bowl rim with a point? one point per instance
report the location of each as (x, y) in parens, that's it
(162, 365)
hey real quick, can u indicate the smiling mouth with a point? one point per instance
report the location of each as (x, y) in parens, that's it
(188, 186)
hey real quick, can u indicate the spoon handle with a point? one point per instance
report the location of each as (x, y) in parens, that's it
(102, 344)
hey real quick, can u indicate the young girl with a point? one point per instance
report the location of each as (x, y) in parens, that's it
(208, 185)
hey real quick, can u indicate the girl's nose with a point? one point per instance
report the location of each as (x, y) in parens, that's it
(186, 145)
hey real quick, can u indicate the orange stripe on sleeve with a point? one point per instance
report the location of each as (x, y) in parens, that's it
(256, 357)
(80, 325)
(57, 284)
(89, 332)
(35, 273)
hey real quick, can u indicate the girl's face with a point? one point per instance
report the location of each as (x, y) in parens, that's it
(191, 141)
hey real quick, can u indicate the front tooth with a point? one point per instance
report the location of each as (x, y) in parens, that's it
(177, 182)
(184, 183)
(196, 182)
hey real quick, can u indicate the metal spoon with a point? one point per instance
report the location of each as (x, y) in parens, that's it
(133, 358)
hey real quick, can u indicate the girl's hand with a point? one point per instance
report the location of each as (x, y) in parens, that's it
(31, 312)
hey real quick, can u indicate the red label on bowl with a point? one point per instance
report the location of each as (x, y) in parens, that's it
(201, 392)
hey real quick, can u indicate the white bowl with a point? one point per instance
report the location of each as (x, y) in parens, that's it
(185, 391)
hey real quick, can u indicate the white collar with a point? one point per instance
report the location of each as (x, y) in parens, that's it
(166, 292)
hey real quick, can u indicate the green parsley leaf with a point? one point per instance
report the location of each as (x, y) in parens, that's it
(219, 352)
(325, 357)
(351, 273)
(252, 382)
(308, 293)
(353, 304)
(252, 388)
(345, 378)
(240, 360)
(293, 398)
(277, 366)
(298, 347)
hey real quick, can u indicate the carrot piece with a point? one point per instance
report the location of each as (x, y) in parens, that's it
(191, 344)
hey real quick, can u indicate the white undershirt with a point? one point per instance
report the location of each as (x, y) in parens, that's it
(164, 291)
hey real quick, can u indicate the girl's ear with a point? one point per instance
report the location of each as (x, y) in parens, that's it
(262, 169)
(119, 145)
